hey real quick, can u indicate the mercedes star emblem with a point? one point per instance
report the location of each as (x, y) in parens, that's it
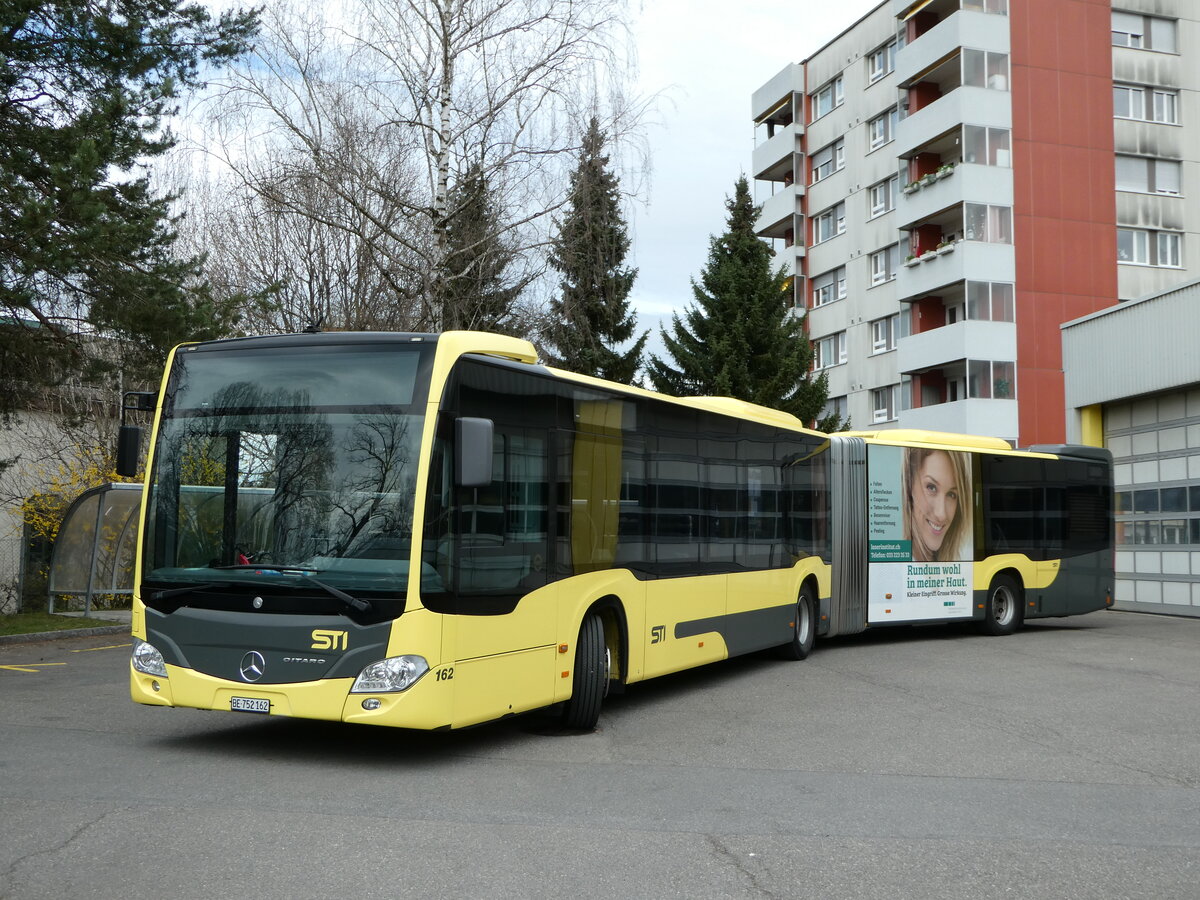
(253, 666)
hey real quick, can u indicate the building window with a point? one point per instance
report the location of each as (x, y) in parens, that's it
(990, 380)
(835, 406)
(987, 223)
(999, 7)
(989, 301)
(828, 97)
(882, 196)
(985, 69)
(829, 351)
(882, 128)
(829, 224)
(1169, 531)
(1144, 32)
(884, 264)
(1148, 176)
(883, 403)
(1140, 247)
(884, 333)
(987, 146)
(1146, 104)
(881, 62)
(828, 160)
(829, 287)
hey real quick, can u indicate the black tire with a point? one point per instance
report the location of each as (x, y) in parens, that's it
(804, 631)
(1005, 606)
(582, 711)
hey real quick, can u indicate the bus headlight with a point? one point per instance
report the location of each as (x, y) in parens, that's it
(397, 673)
(146, 658)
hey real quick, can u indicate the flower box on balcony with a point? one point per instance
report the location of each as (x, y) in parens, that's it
(911, 261)
(944, 171)
(912, 187)
(945, 248)
(928, 179)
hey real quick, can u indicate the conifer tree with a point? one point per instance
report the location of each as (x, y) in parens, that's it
(737, 339)
(86, 246)
(478, 292)
(593, 320)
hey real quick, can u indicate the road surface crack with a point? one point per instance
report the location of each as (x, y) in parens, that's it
(8, 877)
(726, 855)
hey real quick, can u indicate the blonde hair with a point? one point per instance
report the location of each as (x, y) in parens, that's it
(960, 529)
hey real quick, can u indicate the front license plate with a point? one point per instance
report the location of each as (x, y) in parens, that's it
(249, 704)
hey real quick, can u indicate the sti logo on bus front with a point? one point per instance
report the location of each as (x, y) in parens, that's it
(328, 640)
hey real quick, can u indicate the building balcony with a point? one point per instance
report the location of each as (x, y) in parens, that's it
(962, 340)
(974, 260)
(979, 106)
(992, 418)
(789, 260)
(775, 158)
(929, 11)
(962, 28)
(935, 194)
(787, 82)
(780, 214)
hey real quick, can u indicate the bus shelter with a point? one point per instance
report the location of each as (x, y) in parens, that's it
(96, 544)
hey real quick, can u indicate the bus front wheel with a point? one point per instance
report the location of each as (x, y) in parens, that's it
(804, 631)
(582, 711)
(1002, 612)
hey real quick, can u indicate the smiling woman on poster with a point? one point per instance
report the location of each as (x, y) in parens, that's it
(937, 504)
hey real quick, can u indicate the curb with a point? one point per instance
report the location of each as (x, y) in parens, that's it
(55, 635)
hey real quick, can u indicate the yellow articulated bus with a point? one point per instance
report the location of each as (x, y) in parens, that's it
(433, 531)
(931, 527)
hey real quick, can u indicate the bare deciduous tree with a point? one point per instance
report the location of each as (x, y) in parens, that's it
(364, 125)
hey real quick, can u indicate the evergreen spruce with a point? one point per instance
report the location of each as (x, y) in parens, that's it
(592, 315)
(737, 339)
(86, 247)
(478, 294)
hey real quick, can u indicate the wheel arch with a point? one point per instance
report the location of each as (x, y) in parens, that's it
(611, 610)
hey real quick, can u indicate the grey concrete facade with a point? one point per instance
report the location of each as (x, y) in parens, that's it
(1133, 373)
(1156, 130)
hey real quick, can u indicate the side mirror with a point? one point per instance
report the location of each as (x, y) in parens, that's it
(129, 442)
(129, 437)
(473, 452)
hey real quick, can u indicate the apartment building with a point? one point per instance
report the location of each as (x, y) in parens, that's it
(947, 181)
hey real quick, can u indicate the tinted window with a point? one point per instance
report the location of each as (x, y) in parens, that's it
(585, 480)
(1046, 509)
(290, 377)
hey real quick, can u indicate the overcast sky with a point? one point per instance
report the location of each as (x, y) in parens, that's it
(708, 56)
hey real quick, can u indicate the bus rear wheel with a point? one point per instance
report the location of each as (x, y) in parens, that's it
(804, 631)
(582, 711)
(1002, 611)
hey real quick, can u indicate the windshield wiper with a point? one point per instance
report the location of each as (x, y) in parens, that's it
(264, 567)
(352, 602)
(180, 591)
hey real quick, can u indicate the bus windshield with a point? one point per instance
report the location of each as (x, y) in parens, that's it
(286, 463)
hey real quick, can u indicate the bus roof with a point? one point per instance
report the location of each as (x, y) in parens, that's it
(726, 406)
(913, 436)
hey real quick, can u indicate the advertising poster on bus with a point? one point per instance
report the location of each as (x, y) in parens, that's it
(920, 534)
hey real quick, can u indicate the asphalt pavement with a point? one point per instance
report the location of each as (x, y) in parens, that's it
(922, 763)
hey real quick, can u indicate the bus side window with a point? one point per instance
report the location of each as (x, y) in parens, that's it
(806, 500)
(502, 528)
(437, 552)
